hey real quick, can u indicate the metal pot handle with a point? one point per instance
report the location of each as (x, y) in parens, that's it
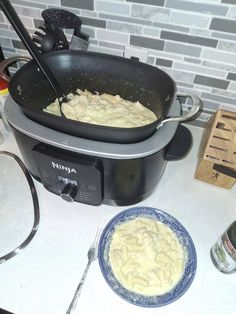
(7, 62)
(196, 106)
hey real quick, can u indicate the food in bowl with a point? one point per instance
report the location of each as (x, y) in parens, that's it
(146, 256)
(103, 109)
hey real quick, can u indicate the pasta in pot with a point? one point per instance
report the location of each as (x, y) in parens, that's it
(146, 256)
(104, 109)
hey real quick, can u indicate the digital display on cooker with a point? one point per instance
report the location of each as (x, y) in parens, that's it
(73, 178)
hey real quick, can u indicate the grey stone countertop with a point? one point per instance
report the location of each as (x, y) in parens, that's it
(42, 279)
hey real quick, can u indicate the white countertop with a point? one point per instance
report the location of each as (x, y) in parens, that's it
(42, 279)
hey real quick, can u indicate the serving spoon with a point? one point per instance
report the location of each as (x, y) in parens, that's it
(17, 25)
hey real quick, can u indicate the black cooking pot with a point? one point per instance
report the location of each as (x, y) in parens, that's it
(96, 72)
(68, 70)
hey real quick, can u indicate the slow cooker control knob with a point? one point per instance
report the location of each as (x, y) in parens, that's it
(69, 192)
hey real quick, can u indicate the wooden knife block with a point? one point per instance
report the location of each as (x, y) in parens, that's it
(217, 160)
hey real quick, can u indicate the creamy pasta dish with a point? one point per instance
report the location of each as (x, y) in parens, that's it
(146, 256)
(104, 109)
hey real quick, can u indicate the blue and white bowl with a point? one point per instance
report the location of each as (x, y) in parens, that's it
(184, 238)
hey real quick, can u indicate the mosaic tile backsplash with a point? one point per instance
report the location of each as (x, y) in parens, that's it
(193, 41)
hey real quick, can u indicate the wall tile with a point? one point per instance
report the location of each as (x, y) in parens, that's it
(87, 13)
(124, 19)
(112, 36)
(189, 19)
(7, 33)
(9, 52)
(146, 42)
(169, 26)
(195, 40)
(151, 13)
(89, 31)
(57, 2)
(201, 32)
(164, 62)
(192, 60)
(229, 1)
(204, 117)
(2, 17)
(6, 42)
(165, 55)
(221, 56)
(27, 22)
(151, 60)
(211, 81)
(188, 86)
(38, 22)
(151, 31)
(149, 2)
(30, 4)
(111, 51)
(199, 69)
(224, 36)
(18, 44)
(211, 105)
(124, 27)
(224, 93)
(140, 53)
(219, 66)
(93, 22)
(232, 12)
(219, 99)
(82, 4)
(232, 86)
(3, 26)
(231, 76)
(223, 25)
(27, 11)
(121, 8)
(206, 8)
(202, 88)
(111, 45)
(227, 46)
(180, 76)
(184, 49)
(198, 123)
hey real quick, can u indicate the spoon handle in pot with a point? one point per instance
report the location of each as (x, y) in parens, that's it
(16, 23)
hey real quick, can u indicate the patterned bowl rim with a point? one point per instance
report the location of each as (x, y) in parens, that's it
(184, 238)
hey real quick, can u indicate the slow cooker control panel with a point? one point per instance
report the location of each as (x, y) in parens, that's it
(73, 176)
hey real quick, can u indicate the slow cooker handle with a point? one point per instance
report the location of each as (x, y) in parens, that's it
(180, 144)
(7, 62)
(196, 106)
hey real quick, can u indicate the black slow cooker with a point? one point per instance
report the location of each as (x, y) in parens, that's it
(95, 172)
(84, 162)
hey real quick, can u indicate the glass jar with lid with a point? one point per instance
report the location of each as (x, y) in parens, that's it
(223, 252)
